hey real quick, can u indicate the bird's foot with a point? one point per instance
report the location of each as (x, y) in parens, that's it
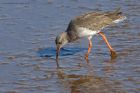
(113, 54)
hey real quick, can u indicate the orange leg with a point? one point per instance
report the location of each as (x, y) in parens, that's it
(112, 51)
(89, 49)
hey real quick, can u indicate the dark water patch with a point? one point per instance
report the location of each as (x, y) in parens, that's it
(51, 52)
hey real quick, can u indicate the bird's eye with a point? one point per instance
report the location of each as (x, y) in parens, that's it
(59, 42)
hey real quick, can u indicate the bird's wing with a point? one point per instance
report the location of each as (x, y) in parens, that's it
(93, 21)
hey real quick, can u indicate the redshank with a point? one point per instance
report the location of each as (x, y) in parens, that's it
(88, 25)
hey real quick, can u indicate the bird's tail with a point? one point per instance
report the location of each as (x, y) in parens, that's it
(116, 15)
(117, 11)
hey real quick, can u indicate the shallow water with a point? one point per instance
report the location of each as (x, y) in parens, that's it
(27, 49)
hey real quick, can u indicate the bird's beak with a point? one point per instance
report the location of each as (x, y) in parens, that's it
(57, 51)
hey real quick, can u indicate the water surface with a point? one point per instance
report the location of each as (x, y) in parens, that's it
(27, 49)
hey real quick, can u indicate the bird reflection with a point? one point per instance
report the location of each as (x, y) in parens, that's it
(57, 63)
(111, 60)
(90, 83)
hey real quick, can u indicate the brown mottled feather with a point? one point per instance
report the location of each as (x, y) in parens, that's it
(95, 20)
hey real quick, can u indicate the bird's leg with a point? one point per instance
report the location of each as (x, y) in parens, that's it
(89, 48)
(112, 51)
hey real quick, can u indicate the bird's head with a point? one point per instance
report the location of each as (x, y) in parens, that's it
(60, 41)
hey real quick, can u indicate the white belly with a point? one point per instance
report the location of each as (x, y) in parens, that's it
(84, 32)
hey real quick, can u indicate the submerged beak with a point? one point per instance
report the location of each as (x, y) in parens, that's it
(57, 51)
(57, 54)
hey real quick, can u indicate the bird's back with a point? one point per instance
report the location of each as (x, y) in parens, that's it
(94, 21)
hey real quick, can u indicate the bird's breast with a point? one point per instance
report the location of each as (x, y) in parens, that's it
(85, 32)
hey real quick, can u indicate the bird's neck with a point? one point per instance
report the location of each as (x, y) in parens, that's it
(66, 36)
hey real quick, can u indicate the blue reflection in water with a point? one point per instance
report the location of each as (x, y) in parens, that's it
(51, 51)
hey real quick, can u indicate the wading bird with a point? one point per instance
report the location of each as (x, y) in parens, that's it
(88, 25)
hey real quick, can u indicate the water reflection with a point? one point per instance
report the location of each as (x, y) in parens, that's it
(89, 83)
(51, 51)
(57, 62)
